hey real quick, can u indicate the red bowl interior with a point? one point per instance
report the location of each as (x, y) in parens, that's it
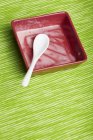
(64, 48)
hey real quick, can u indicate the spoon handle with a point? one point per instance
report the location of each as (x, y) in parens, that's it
(27, 77)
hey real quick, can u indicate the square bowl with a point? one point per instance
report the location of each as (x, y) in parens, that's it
(65, 48)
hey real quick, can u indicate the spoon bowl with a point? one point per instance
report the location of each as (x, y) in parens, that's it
(40, 44)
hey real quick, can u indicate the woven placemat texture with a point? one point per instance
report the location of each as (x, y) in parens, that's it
(55, 106)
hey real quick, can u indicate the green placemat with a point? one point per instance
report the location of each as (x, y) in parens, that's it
(56, 106)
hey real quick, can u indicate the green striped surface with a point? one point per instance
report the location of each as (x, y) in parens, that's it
(56, 106)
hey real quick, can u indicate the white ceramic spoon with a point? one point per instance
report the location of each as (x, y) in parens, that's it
(40, 44)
